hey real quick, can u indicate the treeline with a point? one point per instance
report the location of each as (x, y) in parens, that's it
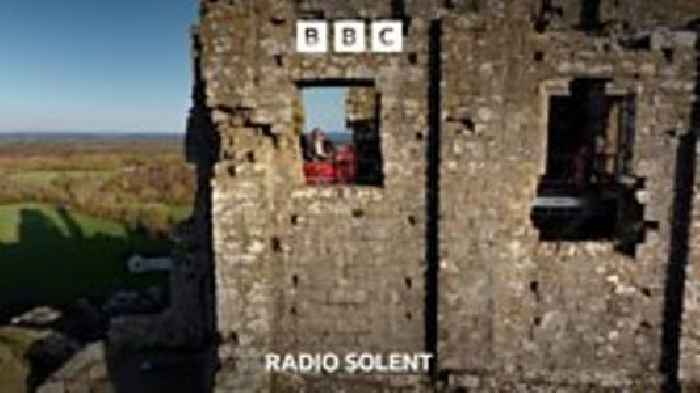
(148, 187)
(89, 156)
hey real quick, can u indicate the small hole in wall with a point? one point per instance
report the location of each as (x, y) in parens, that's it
(413, 58)
(276, 20)
(409, 316)
(276, 244)
(668, 54)
(409, 282)
(419, 136)
(637, 75)
(468, 124)
(646, 292)
(233, 338)
(645, 325)
(231, 171)
(537, 321)
(279, 60)
(293, 310)
(538, 56)
(652, 225)
(358, 213)
(295, 281)
(294, 219)
(412, 221)
(535, 287)
(250, 156)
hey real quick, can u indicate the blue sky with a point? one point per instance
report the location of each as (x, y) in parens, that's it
(92, 65)
(324, 107)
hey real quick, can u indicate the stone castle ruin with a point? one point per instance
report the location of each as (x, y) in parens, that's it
(524, 204)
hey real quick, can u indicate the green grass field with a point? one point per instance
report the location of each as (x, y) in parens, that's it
(52, 256)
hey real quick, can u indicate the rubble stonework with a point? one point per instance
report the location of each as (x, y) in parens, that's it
(442, 255)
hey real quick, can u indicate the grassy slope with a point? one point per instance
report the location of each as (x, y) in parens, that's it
(48, 258)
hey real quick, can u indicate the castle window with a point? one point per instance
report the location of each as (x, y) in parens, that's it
(338, 126)
(587, 190)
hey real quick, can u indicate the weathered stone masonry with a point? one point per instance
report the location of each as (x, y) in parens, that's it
(443, 255)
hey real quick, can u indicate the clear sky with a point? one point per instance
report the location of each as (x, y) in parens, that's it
(324, 107)
(93, 65)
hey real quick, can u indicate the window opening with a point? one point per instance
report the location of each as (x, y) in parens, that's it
(340, 139)
(588, 190)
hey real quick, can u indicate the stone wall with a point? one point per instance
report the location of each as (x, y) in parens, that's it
(561, 311)
(362, 106)
(443, 255)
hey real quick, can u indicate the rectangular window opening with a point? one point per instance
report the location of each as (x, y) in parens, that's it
(339, 136)
(587, 192)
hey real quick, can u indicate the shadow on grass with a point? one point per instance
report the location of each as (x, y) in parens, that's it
(72, 263)
(55, 262)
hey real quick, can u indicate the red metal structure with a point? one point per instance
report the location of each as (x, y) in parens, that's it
(342, 169)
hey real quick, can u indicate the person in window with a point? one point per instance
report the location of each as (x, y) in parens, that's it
(321, 148)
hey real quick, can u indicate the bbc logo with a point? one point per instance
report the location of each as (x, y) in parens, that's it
(349, 36)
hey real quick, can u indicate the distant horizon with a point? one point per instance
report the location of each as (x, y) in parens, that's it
(96, 131)
(86, 134)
